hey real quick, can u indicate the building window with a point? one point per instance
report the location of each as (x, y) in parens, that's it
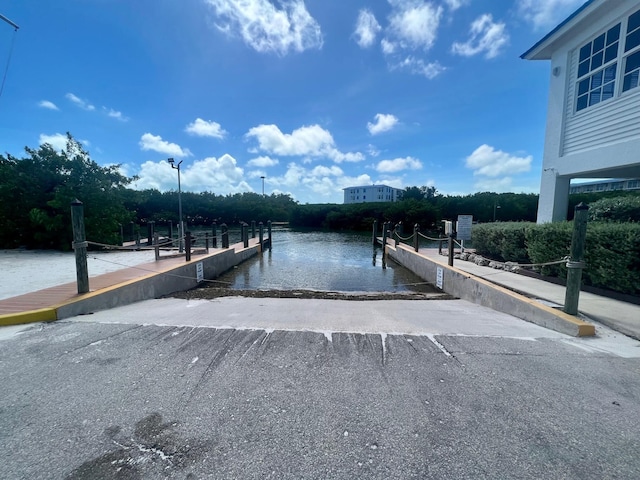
(632, 52)
(597, 69)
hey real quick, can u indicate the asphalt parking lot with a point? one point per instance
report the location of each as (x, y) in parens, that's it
(310, 389)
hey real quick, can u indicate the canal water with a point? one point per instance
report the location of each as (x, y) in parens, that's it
(322, 261)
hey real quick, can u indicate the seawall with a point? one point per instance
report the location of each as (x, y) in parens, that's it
(466, 286)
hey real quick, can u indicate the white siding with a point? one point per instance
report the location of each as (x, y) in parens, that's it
(613, 121)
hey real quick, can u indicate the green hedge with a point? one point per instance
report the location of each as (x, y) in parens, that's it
(501, 241)
(612, 250)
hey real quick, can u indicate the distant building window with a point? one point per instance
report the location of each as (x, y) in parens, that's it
(597, 69)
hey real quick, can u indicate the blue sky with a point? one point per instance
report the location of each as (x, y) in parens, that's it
(314, 95)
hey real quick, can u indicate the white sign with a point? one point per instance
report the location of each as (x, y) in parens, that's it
(439, 276)
(199, 272)
(464, 227)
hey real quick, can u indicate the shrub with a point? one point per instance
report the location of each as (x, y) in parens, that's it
(501, 241)
(616, 209)
(612, 250)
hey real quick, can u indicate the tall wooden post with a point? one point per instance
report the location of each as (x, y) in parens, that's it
(245, 235)
(269, 232)
(80, 245)
(225, 235)
(416, 237)
(576, 262)
(261, 236)
(450, 249)
(375, 232)
(253, 229)
(214, 229)
(187, 246)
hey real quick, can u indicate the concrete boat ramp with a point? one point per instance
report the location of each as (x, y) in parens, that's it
(287, 388)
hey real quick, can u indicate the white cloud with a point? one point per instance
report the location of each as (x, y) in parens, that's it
(415, 25)
(204, 128)
(219, 175)
(418, 66)
(47, 104)
(324, 182)
(157, 144)
(484, 36)
(311, 141)
(58, 141)
(269, 29)
(504, 184)
(115, 114)
(263, 162)
(398, 164)
(85, 105)
(489, 162)
(383, 123)
(546, 14)
(455, 4)
(367, 28)
(387, 46)
(372, 150)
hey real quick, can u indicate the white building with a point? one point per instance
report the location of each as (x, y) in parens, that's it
(371, 193)
(610, 185)
(593, 117)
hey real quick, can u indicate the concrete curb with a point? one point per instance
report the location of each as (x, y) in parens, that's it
(474, 289)
(31, 316)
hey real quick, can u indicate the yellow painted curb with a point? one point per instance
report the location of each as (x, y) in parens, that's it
(32, 316)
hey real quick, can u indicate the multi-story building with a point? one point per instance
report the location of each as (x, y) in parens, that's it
(609, 185)
(371, 193)
(593, 113)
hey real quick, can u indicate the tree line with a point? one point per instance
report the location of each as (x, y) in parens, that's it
(36, 192)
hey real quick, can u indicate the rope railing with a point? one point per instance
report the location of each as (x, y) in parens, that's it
(404, 239)
(443, 239)
(513, 265)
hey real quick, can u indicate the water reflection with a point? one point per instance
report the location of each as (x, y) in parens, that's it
(324, 261)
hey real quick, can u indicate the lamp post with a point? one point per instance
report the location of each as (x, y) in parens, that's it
(180, 224)
(262, 177)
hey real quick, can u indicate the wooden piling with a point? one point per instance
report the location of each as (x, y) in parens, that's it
(80, 245)
(576, 262)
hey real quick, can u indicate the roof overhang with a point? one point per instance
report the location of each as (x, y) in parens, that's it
(547, 45)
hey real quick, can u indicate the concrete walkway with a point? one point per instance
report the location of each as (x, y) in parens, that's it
(623, 317)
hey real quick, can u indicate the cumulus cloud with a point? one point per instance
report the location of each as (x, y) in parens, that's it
(398, 164)
(219, 175)
(268, 28)
(263, 162)
(48, 105)
(545, 14)
(309, 184)
(204, 128)
(58, 140)
(84, 104)
(489, 162)
(157, 144)
(367, 28)
(415, 25)
(383, 123)
(486, 36)
(311, 141)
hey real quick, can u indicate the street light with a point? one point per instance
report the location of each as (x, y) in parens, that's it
(262, 177)
(180, 224)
